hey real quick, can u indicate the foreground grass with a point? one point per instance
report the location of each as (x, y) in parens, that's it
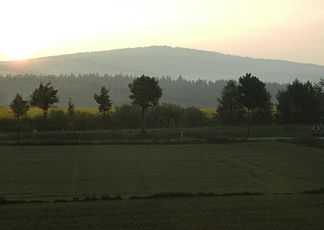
(53, 172)
(255, 212)
(165, 135)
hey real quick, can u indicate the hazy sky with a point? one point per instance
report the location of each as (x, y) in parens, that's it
(280, 29)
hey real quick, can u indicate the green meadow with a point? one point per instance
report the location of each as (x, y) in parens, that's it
(49, 172)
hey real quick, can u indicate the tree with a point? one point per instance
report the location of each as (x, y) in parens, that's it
(145, 92)
(127, 117)
(300, 103)
(194, 117)
(20, 108)
(104, 101)
(43, 97)
(253, 94)
(71, 113)
(230, 107)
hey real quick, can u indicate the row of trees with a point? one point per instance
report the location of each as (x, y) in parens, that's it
(145, 93)
(245, 100)
(298, 103)
(126, 116)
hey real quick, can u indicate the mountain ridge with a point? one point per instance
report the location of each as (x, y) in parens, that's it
(162, 61)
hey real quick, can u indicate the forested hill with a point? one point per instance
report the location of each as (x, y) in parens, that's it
(162, 61)
(81, 89)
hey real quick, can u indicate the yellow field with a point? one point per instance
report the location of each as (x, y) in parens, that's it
(209, 112)
(33, 112)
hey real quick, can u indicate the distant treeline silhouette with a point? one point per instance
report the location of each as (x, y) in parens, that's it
(80, 88)
(244, 102)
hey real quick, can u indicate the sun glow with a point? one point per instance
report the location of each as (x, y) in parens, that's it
(258, 28)
(16, 52)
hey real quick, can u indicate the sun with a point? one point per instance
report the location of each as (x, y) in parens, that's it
(18, 52)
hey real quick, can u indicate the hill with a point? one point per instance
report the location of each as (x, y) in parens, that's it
(162, 61)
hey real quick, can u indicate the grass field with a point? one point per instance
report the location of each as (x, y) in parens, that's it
(174, 134)
(297, 212)
(52, 173)
(49, 172)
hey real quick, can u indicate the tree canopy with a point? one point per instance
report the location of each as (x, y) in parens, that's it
(145, 92)
(253, 94)
(43, 97)
(230, 107)
(300, 103)
(103, 100)
(19, 107)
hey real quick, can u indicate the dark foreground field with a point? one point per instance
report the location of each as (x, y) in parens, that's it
(243, 212)
(52, 173)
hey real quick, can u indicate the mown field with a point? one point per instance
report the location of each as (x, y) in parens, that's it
(50, 172)
(53, 173)
(281, 212)
(124, 136)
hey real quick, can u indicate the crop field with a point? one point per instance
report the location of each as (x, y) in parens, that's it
(50, 173)
(280, 212)
(34, 112)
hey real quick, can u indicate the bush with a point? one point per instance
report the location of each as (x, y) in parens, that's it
(194, 117)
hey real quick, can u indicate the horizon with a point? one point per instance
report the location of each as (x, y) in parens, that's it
(161, 46)
(279, 30)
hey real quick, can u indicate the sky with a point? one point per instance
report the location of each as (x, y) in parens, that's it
(277, 29)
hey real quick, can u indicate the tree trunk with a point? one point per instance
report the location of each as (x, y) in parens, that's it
(248, 120)
(45, 111)
(18, 130)
(143, 121)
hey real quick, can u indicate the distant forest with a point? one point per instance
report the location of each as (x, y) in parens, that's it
(81, 88)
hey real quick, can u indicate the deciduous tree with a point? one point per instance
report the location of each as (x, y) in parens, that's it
(43, 97)
(145, 92)
(103, 100)
(230, 107)
(300, 103)
(19, 108)
(253, 94)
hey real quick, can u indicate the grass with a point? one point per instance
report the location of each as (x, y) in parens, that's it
(57, 172)
(279, 212)
(202, 134)
(162, 187)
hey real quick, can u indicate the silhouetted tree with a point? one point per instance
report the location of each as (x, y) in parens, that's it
(230, 107)
(300, 103)
(253, 94)
(165, 116)
(19, 108)
(103, 100)
(194, 117)
(71, 113)
(43, 97)
(145, 92)
(127, 116)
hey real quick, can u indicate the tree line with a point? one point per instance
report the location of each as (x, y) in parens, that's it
(298, 103)
(179, 91)
(244, 102)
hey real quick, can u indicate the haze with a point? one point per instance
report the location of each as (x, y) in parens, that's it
(286, 29)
